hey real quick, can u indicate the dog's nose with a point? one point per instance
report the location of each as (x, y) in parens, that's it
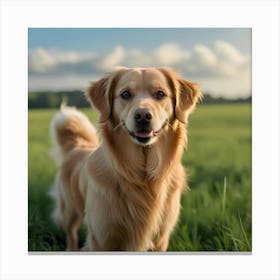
(142, 114)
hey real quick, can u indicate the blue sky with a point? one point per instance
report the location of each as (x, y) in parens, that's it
(66, 58)
(102, 39)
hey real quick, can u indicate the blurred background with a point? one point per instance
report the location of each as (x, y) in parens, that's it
(216, 213)
(67, 59)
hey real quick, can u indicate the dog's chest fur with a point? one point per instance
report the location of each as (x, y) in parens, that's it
(131, 192)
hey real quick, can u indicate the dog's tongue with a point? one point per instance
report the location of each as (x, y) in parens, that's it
(144, 133)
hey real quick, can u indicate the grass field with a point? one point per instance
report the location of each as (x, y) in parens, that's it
(216, 213)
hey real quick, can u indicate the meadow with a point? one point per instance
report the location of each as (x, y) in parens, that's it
(216, 212)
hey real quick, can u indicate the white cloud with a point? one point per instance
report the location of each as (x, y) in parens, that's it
(228, 53)
(136, 57)
(230, 60)
(204, 56)
(113, 59)
(170, 54)
(221, 69)
(43, 61)
(63, 82)
(201, 60)
(230, 87)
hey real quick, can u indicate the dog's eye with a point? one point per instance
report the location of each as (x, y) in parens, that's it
(126, 95)
(159, 95)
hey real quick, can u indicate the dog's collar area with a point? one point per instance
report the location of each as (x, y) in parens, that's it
(144, 136)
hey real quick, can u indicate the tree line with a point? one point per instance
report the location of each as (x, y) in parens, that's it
(53, 99)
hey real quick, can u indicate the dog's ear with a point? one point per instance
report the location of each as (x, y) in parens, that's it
(100, 94)
(100, 97)
(187, 96)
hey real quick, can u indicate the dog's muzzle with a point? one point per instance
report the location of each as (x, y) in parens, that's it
(144, 133)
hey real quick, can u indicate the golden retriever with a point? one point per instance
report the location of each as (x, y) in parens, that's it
(128, 187)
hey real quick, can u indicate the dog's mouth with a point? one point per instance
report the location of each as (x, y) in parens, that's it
(144, 136)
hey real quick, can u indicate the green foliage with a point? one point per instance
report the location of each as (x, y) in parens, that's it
(52, 99)
(216, 212)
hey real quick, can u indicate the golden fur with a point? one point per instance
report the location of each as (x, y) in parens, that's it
(127, 191)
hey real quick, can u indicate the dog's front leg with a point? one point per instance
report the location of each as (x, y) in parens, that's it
(170, 217)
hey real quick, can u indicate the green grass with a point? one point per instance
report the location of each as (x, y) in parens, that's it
(216, 212)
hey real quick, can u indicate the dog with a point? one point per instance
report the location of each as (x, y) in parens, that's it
(127, 187)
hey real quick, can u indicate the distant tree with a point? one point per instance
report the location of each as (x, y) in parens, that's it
(46, 99)
(53, 99)
(208, 99)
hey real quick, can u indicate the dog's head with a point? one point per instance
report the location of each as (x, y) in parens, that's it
(143, 100)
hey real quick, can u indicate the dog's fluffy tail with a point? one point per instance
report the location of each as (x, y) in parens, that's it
(69, 129)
